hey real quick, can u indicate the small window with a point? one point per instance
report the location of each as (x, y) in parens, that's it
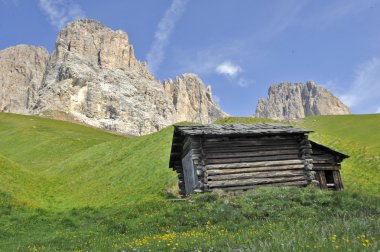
(330, 179)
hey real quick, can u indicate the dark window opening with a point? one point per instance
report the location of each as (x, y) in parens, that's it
(330, 179)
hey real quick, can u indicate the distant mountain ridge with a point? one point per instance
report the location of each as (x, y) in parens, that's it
(93, 77)
(289, 101)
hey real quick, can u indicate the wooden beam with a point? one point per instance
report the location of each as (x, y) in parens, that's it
(316, 161)
(254, 164)
(211, 138)
(253, 181)
(291, 183)
(251, 154)
(250, 143)
(254, 169)
(322, 180)
(251, 159)
(317, 167)
(337, 180)
(223, 149)
(249, 175)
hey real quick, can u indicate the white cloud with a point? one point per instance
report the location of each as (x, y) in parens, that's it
(232, 72)
(59, 12)
(163, 32)
(206, 60)
(364, 93)
(378, 110)
(228, 68)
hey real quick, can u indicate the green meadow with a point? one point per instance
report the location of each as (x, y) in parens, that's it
(67, 187)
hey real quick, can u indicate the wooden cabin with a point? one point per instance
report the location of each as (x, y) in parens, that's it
(242, 156)
(326, 164)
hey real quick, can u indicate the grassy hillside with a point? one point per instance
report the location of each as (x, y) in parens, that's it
(59, 164)
(66, 187)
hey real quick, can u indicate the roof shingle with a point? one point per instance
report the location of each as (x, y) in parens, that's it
(239, 129)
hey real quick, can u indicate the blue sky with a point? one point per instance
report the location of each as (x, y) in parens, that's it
(239, 47)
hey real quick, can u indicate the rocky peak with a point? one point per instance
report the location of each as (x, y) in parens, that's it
(192, 100)
(22, 69)
(93, 77)
(288, 101)
(99, 45)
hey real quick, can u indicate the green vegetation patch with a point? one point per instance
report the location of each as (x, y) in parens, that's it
(64, 165)
(264, 219)
(66, 187)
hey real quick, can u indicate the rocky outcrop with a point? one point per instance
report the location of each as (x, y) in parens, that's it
(22, 69)
(192, 101)
(288, 101)
(94, 78)
(99, 46)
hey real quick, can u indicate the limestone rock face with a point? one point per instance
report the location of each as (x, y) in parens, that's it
(94, 77)
(100, 46)
(192, 101)
(22, 69)
(288, 101)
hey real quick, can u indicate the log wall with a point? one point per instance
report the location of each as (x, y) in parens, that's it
(239, 163)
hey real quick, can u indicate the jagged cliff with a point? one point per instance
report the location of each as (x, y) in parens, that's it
(93, 77)
(289, 101)
(22, 69)
(192, 101)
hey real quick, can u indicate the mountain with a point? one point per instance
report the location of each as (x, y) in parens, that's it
(22, 69)
(192, 102)
(289, 101)
(93, 77)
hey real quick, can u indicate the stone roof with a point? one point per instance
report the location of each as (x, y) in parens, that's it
(239, 129)
(332, 151)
